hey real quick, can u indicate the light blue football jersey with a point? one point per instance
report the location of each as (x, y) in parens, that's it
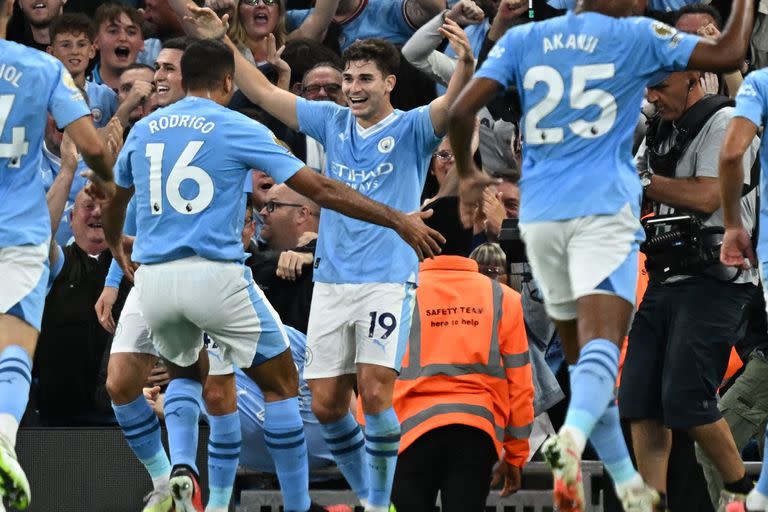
(103, 102)
(31, 83)
(752, 104)
(387, 162)
(382, 19)
(188, 162)
(581, 79)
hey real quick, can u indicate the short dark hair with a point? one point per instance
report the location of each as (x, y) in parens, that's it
(71, 23)
(382, 53)
(508, 175)
(137, 65)
(700, 9)
(304, 54)
(325, 64)
(205, 64)
(179, 43)
(111, 11)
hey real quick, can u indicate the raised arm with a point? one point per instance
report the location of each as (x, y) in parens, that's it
(281, 104)
(461, 121)
(465, 66)
(421, 48)
(94, 151)
(726, 53)
(57, 195)
(113, 218)
(316, 24)
(737, 247)
(418, 12)
(334, 195)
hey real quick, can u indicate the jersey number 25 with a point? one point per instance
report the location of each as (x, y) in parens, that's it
(580, 98)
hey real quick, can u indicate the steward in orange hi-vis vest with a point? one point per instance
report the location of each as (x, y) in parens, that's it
(467, 360)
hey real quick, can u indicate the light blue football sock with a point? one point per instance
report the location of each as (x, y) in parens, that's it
(284, 437)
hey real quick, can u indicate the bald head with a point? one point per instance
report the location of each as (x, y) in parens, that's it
(287, 215)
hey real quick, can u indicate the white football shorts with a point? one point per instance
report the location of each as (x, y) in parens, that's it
(584, 256)
(181, 299)
(357, 323)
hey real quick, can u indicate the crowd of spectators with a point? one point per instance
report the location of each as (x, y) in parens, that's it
(113, 51)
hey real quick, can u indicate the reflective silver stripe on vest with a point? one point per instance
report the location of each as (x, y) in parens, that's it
(494, 368)
(516, 360)
(523, 432)
(439, 409)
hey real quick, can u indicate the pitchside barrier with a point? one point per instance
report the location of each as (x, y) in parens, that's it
(94, 470)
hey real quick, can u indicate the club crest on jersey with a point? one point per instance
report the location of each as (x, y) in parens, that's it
(386, 145)
(68, 81)
(662, 30)
(96, 114)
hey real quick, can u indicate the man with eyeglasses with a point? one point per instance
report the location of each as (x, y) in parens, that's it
(322, 82)
(283, 268)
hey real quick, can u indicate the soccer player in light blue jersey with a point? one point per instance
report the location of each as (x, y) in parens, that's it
(365, 277)
(750, 115)
(31, 83)
(581, 79)
(187, 164)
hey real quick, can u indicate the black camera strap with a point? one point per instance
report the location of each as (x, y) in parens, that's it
(688, 127)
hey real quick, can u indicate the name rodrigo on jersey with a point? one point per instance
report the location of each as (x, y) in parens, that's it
(175, 121)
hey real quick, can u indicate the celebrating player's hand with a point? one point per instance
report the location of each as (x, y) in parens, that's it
(99, 190)
(424, 240)
(291, 262)
(103, 308)
(737, 250)
(511, 475)
(458, 40)
(203, 23)
(122, 254)
(465, 12)
(112, 134)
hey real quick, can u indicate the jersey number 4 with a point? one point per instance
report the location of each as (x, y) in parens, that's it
(181, 171)
(580, 98)
(18, 147)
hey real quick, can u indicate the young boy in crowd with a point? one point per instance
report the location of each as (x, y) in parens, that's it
(72, 43)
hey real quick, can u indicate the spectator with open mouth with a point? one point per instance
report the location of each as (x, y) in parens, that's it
(119, 39)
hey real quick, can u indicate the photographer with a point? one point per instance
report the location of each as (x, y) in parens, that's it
(694, 308)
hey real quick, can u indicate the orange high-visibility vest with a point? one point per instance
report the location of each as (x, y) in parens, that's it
(467, 359)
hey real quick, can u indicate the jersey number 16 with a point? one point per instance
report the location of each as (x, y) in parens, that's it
(182, 170)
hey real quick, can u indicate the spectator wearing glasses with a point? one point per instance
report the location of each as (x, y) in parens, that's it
(322, 82)
(284, 270)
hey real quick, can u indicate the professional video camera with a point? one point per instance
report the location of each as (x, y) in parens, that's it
(679, 245)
